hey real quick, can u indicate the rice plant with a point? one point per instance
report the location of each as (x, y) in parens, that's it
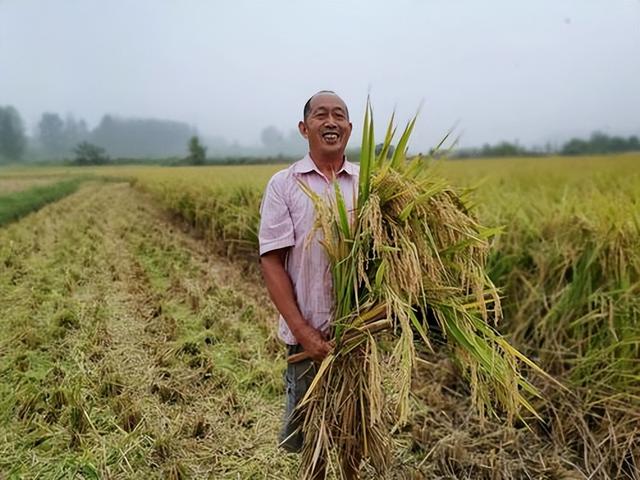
(412, 249)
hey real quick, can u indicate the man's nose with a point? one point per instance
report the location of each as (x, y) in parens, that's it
(330, 122)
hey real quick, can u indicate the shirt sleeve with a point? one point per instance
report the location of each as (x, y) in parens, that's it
(276, 224)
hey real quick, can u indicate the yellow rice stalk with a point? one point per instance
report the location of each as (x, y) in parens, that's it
(411, 250)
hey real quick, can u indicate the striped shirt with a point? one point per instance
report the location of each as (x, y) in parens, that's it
(287, 218)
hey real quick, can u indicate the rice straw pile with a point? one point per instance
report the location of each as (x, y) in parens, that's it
(410, 251)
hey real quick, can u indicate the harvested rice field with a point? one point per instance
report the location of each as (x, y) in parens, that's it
(137, 340)
(128, 351)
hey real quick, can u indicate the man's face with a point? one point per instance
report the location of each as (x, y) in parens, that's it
(327, 127)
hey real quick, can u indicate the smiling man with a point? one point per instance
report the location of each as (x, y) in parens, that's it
(294, 265)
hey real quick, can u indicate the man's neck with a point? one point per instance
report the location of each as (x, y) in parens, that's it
(328, 165)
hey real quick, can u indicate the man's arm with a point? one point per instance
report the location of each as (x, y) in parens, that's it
(281, 292)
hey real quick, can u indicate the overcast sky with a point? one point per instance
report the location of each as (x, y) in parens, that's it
(527, 70)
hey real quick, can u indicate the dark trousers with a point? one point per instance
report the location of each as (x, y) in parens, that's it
(297, 379)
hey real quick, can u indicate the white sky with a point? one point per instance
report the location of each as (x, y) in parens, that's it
(533, 71)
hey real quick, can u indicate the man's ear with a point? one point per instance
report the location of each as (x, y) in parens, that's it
(302, 127)
(349, 132)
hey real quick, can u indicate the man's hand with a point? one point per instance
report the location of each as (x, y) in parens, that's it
(314, 343)
(281, 292)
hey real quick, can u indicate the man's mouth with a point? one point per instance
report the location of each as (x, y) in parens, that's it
(330, 137)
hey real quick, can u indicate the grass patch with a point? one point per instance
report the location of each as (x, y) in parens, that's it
(16, 205)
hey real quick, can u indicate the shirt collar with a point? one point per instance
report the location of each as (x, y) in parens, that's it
(307, 165)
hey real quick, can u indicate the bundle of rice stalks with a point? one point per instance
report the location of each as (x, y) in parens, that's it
(411, 251)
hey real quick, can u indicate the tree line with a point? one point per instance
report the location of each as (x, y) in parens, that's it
(132, 140)
(59, 138)
(597, 143)
(138, 139)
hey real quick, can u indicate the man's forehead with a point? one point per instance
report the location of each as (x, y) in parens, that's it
(327, 100)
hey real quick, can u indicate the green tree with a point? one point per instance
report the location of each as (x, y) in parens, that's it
(197, 152)
(89, 154)
(13, 140)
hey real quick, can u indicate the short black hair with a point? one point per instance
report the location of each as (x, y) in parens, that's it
(307, 106)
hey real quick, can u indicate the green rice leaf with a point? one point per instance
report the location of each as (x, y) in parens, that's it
(365, 157)
(401, 148)
(342, 212)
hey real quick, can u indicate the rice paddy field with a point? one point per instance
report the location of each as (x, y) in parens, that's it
(137, 340)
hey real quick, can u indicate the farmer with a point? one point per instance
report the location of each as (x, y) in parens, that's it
(294, 264)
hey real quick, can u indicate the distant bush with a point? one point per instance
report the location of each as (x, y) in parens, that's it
(502, 149)
(89, 154)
